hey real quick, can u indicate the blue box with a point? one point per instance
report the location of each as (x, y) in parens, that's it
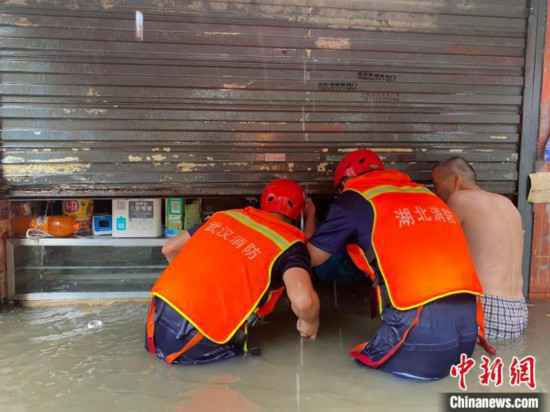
(102, 225)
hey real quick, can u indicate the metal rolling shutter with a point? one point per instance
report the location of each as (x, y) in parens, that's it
(221, 96)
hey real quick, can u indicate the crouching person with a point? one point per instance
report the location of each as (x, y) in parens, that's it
(412, 247)
(228, 274)
(494, 231)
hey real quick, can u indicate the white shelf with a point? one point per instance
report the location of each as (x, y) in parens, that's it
(83, 296)
(106, 241)
(102, 241)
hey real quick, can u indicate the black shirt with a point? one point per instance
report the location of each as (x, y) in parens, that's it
(295, 256)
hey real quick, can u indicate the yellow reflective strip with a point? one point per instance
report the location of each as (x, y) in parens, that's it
(173, 306)
(280, 241)
(380, 303)
(380, 190)
(441, 296)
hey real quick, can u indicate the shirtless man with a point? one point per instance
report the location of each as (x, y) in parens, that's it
(493, 228)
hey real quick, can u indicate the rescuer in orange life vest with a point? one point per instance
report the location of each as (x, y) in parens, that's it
(413, 249)
(228, 273)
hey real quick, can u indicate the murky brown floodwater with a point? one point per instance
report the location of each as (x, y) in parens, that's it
(51, 360)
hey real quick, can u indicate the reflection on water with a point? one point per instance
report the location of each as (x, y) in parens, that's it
(52, 360)
(215, 396)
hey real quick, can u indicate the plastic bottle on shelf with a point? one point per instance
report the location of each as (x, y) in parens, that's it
(56, 226)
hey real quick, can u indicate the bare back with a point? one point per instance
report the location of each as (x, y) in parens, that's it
(494, 231)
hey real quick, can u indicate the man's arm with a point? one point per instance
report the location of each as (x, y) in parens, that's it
(339, 228)
(304, 301)
(456, 204)
(173, 245)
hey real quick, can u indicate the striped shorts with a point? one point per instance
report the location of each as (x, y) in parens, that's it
(504, 318)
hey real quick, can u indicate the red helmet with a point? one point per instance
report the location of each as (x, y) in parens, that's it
(283, 196)
(357, 163)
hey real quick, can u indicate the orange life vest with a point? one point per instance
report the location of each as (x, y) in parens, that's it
(418, 243)
(419, 248)
(219, 278)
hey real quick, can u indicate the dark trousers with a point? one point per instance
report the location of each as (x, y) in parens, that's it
(172, 332)
(447, 328)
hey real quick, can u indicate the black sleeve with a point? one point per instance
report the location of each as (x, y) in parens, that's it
(296, 256)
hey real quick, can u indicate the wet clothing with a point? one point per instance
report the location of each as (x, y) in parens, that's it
(447, 328)
(419, 344)
(172, 331)
(340, 269)
(504, 318)
(349, 220)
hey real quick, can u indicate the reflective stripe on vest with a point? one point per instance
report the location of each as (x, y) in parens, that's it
(419, 245)
(220, 276)
(361, 261)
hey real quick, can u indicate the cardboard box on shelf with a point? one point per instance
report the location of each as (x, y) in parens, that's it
(102, 225)
(174, 212)
(137, 217)
(193, 213)
(82, 210)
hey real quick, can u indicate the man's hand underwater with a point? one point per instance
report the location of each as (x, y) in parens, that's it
(307, 329)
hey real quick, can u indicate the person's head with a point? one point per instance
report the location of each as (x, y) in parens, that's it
(356, 163)
(452, 175)
(284, 197)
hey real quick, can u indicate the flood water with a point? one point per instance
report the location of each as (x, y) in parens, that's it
(91, 358)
